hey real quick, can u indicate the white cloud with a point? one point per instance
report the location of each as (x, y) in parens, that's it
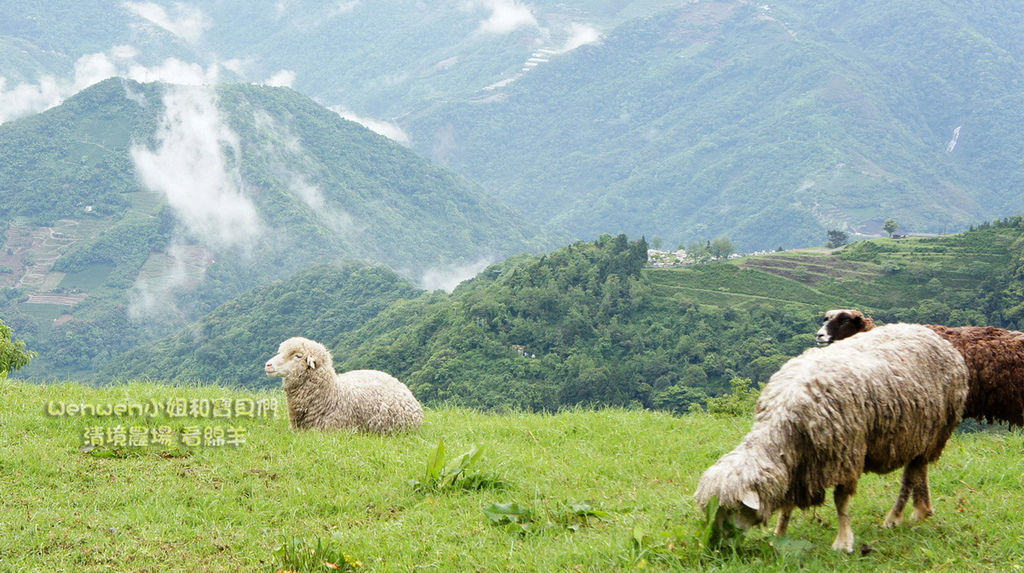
(188, 22)
(336, 218)
(342, 7)
(579, 35)
(196, 167)
(26, 99)
(506, 16)
(93, 68)
(285, 153)
(153, 294)
(448, 277)
(282, 79)
(387, 129)
(174, 71)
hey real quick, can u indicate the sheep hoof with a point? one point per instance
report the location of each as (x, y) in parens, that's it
(892, 520)
(920, 515)
(841, 544)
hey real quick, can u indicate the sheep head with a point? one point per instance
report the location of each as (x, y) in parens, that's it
(737, 484)
(842, 323)
(296, 357)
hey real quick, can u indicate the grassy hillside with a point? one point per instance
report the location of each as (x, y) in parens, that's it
(962, 278)
(606, 490)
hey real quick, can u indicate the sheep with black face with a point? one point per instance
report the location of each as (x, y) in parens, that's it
(842, 323)
(319, 398)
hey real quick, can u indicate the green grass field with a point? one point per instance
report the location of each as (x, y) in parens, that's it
(606, 490)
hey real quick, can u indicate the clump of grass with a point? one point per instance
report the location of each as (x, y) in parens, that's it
(524, 519)
(580, 515)
(299, 555)
(672, 549)
(514, 514)
(441, 476)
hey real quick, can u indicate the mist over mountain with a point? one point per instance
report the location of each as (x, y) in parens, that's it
(767, 123)
(132, 209)
(161, 158)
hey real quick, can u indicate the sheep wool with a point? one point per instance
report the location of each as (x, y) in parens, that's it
(884, 399)
(994, 357)
(995, 364)
(319, 398)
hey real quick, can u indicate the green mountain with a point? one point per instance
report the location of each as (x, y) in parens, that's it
(381, 59)
(133, 209)
(593, 324)
(232, 343)
(765, 123)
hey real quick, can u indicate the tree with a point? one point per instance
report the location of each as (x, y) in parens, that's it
(890, 226)
(837, 238)
(721, 248)
(697, 251)
(12, 352)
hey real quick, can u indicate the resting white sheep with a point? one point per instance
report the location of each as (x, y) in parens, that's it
(320, 398)
(881, 400)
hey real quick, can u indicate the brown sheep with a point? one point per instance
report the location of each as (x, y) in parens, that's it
(842, 323)
(994, 357)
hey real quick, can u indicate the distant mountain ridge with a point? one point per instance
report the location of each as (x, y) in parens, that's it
(766, 123)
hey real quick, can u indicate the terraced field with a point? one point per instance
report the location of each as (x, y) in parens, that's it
(731, 285)
(875, 275)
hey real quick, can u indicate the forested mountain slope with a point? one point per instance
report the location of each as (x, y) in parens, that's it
(766, 123)
(132, 209)
(592, 324)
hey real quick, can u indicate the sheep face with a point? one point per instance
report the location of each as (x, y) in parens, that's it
(295, 357)
(742, 517)
(841, 323)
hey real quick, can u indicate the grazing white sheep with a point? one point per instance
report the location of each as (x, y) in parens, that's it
(994, 357)
(876, 402)
(320, 398)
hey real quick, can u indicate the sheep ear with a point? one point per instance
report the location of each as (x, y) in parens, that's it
(751, 500)
(311, 362)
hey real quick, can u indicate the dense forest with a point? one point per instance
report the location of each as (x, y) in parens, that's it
(593, 324)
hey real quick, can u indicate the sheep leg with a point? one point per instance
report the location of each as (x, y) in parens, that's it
(844, 538)
(783, 524)
(895, 516)
(922, 495)
(915, 483)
